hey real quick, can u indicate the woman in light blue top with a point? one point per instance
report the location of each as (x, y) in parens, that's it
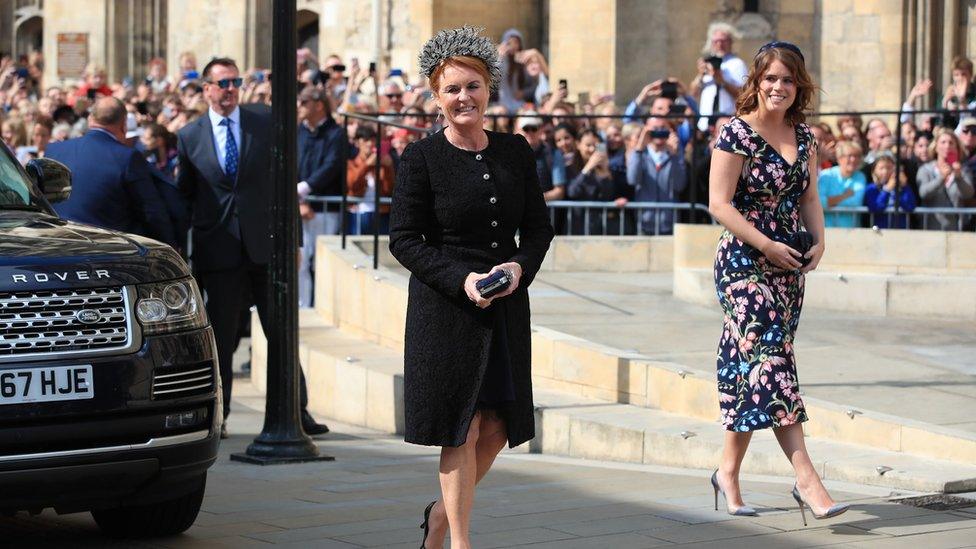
(843, 186)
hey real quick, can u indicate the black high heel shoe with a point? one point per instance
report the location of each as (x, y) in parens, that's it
(426, 524)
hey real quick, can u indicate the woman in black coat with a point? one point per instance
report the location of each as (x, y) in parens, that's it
(461, 196)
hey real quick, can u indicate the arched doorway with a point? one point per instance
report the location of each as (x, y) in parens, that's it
(28, 28)
(307, 22)
(30, 35)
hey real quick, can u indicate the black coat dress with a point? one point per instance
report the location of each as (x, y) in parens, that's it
(456, 212)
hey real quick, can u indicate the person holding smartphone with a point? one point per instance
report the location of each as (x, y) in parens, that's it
(95, 84)
(657, 171)
(721, 74)
(942, 182)
(460, 197)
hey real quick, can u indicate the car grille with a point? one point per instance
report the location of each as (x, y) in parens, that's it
(182, 381)
(44, 322)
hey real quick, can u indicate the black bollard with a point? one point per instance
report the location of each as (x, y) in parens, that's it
(282, 439)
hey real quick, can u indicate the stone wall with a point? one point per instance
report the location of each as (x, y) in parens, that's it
(861, 54)
(208, 29)
(855, 49)
(63, 16)
(582, 35)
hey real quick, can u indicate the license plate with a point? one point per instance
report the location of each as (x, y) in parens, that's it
(24, 385)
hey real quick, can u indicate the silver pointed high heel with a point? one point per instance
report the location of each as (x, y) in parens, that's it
(835, 509)
(744, 511)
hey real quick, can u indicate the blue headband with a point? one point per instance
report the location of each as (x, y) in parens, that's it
(784, 45)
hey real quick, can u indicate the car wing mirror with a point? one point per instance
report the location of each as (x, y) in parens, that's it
(52, 177)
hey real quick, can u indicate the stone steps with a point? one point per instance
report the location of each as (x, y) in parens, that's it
(372, 305)
(361, 383)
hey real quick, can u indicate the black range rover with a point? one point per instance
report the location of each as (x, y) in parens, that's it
(109, 391)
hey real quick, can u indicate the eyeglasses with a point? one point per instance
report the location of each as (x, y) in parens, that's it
(530, 128)
(225, 83)
(783, 45)
(971, 130)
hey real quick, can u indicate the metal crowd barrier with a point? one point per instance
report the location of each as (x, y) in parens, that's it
(579, 218)
(650, 218)
(919, 218)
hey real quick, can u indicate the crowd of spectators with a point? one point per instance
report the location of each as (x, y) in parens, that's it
(655, 149)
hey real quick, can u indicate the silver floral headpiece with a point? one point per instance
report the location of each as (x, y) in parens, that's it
(466, 40)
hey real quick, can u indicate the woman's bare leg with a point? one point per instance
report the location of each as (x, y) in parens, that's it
(733, 453)
(807, 479)
(491, 438)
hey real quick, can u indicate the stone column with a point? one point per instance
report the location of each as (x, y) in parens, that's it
(208, 29)
(582, 45)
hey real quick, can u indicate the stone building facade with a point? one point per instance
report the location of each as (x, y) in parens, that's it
(865, 54)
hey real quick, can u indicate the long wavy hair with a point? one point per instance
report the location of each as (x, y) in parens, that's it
(748, 100)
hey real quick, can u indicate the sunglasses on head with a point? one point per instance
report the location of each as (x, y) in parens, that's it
(394, 95)
(783, 45)
(225, 83)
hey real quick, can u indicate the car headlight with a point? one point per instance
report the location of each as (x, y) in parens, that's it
(170, 306)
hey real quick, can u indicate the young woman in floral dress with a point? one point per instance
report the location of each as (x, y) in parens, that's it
(763, 183)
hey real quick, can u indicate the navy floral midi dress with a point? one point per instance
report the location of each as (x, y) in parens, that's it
(757, 380)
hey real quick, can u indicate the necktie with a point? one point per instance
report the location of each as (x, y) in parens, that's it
(230, 150)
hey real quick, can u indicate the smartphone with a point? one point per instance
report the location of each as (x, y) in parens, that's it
(259, 77)
(91, 93)
(338, 69)
(584, 99)
(659, 134)
(563, 84)
(141, 108)
(396, 72)
(676, 109)
(669, 90)
(372, 67)
(22, 73)
(952, 157)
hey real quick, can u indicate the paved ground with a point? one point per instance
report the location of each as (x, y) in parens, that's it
(374, 493)
(922, 369)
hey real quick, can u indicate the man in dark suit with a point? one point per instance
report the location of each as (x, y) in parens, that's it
(225, 178)
(111, 183)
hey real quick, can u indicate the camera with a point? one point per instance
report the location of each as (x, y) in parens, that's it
(715, 61)
(669, 90)
(660, 134)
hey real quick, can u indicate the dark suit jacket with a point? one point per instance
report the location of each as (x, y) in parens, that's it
(173, 201)
(111, 187)
(230, 218)
(321, 154)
